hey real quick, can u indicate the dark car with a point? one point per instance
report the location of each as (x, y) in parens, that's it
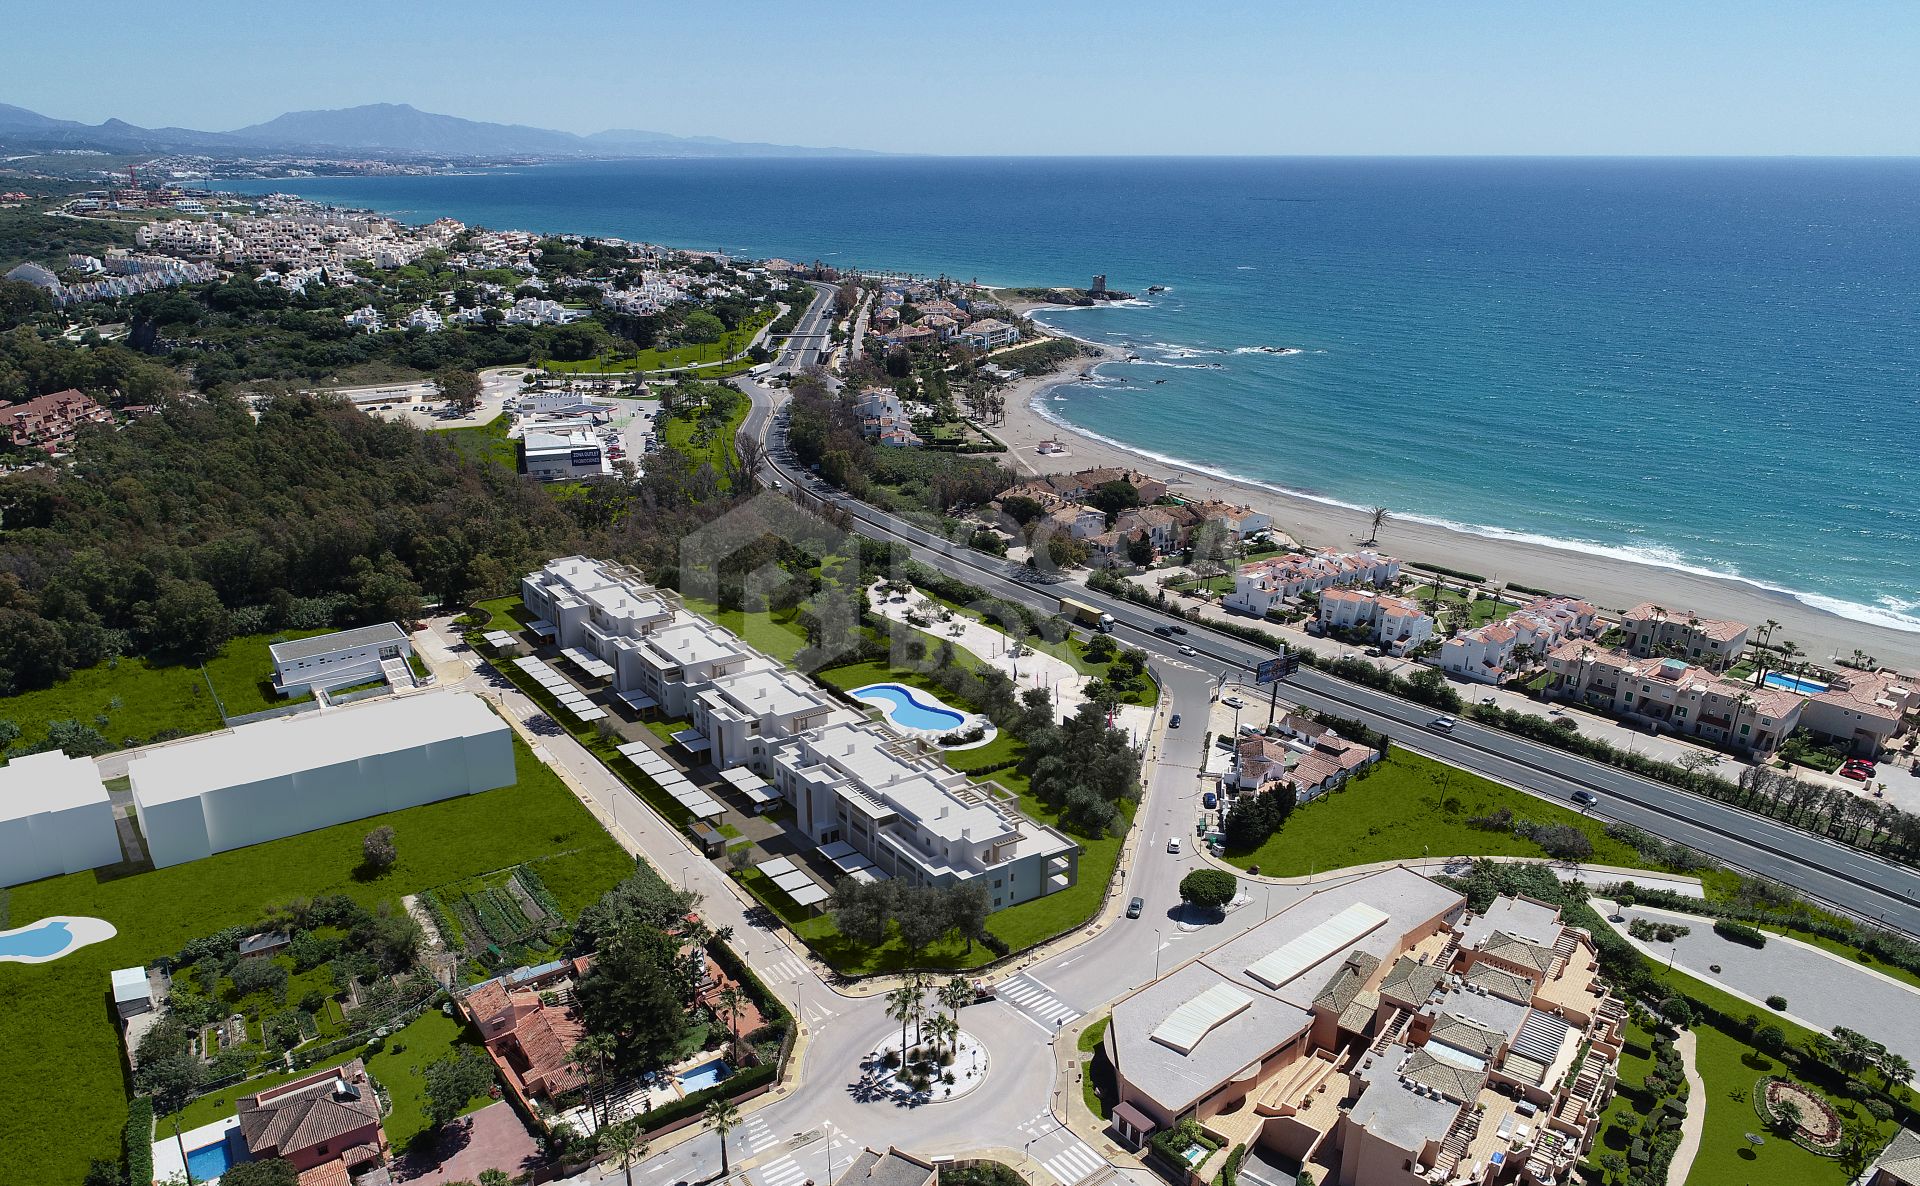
(1179, 629)
(1585, 798)
(1135, 907)
(1175, 722)
(1209, 800)
(1163, 631)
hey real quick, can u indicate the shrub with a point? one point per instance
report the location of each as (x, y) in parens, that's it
(378, 848)
(1209, 889)
(1777, 1003)
(139, 1137)
(1770, 1038)
(1677, 1012)
(1738, 932)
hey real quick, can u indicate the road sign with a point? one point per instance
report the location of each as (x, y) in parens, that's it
(1270, 670)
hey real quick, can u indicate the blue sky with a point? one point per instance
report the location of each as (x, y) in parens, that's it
(985, 77)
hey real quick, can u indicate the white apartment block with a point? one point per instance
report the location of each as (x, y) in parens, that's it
(741, 715)
(305, 666)
(55, 818)
(1487, 653)
(916, 819)
(989, 333)
(1394, 622)
(426, 319)
(1266, 584)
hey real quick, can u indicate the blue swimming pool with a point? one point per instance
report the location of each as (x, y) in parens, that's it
(910, 709)
(706, 1075)
(1795, 683)
(50, 937)
(209, 1161)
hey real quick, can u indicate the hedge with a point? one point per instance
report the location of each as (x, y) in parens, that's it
(1738, 932)
(140, 1139)
(736, 1084)
(1231, 1169)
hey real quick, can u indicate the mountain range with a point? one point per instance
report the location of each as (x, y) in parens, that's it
(377, 129)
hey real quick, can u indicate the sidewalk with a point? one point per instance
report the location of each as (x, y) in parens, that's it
(1694, 1124)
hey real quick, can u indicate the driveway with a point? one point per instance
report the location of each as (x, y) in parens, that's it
(492, 1138)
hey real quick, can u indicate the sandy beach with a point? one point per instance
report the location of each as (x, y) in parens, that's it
(1608, 582)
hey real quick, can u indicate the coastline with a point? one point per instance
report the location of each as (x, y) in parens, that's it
(1610, 582)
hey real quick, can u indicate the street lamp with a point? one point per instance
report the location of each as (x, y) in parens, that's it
(1157, 945)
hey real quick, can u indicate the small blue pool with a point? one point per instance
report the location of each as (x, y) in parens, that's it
(51, 937)
(209, 1161)
(910, 709)
(1795, 683)
(707, 1074)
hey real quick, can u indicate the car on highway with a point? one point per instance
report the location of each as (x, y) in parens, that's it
(1442, 724)
(1187, 650)
(1163, 631)
(1178, 629)
(1585, 798)
(1135, 907)
(1173, 845)
(1174, 723)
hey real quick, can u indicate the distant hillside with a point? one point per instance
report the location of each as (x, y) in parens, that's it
(378, 129)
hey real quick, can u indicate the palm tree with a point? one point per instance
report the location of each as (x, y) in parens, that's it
(590, 1055)
(903, 1003)
(956, 994)
(1895, 1069)
(1376, 519)
(722, 1115)
(731, 1001)
(626, 1143)
(943, 1029)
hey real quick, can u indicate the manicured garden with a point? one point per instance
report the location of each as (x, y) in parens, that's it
(1410, 806)
(74, 1105)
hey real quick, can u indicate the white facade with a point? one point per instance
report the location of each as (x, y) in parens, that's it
(281, 777)
(338, 660)
(55, 818)
(1265, 584)
(1394, 622)
(564, 452)
(742, 715)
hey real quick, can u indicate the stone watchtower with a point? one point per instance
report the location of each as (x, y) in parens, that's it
(1099, 285)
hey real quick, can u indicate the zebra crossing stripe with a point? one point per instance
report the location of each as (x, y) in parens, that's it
(784, 1172)
(1073, 1164)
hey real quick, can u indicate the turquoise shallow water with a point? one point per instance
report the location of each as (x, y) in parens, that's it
(1713, 364)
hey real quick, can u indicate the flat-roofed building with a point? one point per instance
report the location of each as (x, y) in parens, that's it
(55, 818)
(916, 819)
(1385, 1035)
(281, 777)
(741, 715)
(304, 666)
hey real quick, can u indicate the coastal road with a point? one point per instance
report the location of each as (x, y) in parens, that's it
(1858, 883)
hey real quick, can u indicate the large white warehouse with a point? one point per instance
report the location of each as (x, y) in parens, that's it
(54, 818)
(282, 777)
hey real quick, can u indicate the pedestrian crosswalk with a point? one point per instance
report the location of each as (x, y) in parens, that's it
(784, 1172)
(1074, 1163)
(756, 1136)
(782, 971)
(1036, 1001)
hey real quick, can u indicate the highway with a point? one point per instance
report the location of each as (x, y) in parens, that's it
(1864, 885)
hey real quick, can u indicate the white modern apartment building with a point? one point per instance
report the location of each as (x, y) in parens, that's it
(989, 333)
(281, 777)
(324, 662)
(916, 819)
(55, 818)
(1265, 584)
(590, 604)
(1394, 622)
(742, 715)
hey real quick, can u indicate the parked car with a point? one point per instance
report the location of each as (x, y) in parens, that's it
(1233, 702)
(1856, 773)
(1173, 846)
(1175, 722)
(1585, 798)
(1209, 800)
(1442, 724)
(1135, 907)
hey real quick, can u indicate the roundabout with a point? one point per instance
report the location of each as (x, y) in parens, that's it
(933, 1072)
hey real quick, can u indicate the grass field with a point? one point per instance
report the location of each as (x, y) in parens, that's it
(1479, 613)
(774, 634)
(716, 450)
(1412, 806)
(730, 344)
(140, 699)
(489, 442)
(73, 1106)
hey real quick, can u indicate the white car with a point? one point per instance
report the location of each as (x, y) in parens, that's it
(1173, 846)
(1185, 649)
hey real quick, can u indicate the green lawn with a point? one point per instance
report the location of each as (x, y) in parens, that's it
(717, 450)
(730, 344)
(1409, 806)
(489, 442)
(73, 1106)
(1729, 1069)
(1479, 613)
(141, 699)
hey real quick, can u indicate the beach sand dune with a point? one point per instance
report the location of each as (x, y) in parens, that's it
(1608, 582)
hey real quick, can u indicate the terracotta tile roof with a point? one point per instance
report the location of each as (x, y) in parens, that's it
(303, 1117)
(330, 1173)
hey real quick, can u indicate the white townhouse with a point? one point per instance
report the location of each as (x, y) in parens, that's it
(740, 716)
(1392, 621)
(306, 666)
(989, 333)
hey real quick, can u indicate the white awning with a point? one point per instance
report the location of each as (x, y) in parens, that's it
(776, 866)
(757, 790)
(542, 627)
(592, 714)
(633, 751)
(497, 639)
(638, 700)
(692, 740)
(1334, 935)
(1196, 1017)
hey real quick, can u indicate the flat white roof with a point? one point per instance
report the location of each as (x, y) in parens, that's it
(1303, 951)
(130, 984)
(339, 640)
(1195, 1019)
(270, 749)
(48, 781)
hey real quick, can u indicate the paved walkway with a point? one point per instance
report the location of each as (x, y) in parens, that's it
(1030, 669)
(1694, 1124)
(1822, 989)
(492, 1138)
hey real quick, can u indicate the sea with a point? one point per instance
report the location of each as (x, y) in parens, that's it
(1709, 364)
